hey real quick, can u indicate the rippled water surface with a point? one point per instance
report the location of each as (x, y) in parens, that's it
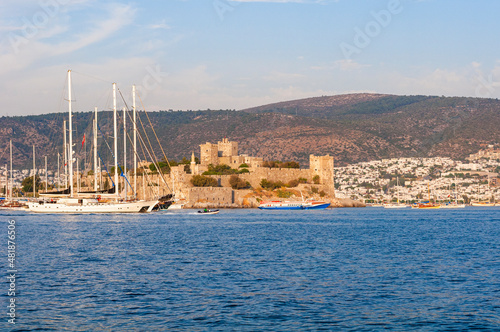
(344, 269)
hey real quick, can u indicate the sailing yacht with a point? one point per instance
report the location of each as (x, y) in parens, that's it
(453, 205)
(81, 204)
(9, 203)
(483, 203)
(397, 205)
(428, 204)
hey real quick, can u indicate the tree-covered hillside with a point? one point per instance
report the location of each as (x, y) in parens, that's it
(352, 128)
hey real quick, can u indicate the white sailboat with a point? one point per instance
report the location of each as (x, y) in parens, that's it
(485, 203)
(453, 205)
(397, 205)
(10, 203)
(82, 204)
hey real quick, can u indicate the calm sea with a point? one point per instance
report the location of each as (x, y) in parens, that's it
(249, 270)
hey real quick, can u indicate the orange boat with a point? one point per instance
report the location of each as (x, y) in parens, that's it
(428, 204)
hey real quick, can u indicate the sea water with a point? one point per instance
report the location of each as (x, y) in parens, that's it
(367, 269)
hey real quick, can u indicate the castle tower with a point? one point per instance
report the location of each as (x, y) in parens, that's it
(227, 148)
(193, 164)
(323, 167)
(209, 154)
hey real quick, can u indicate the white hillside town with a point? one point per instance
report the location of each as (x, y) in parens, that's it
(440, 179)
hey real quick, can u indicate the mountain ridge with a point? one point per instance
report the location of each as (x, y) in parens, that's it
(351, 127)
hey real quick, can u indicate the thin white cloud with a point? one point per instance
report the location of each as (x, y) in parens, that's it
(120, 16)
(282, 1)
(342, 65)
(349, 64)
(280, 77)
(161, 25)
(439, 81)
(10, 28)
(21, 52)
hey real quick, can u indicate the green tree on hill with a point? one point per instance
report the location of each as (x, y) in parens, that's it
(27, 184)
(237, 183)
(224, 170)
(163, 165)
(204, 181)
(280, 164)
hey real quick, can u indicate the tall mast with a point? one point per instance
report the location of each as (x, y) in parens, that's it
(70, 129)
(77, 175)
(397, 184)
(489, 200)
(34, 173)
(58, 173)
(125, 150)
(46, 175)
(6, 182)
(135, 139)
(65, 149)
(11, 185)
(115, 131)
(95, 150)
(100, 174)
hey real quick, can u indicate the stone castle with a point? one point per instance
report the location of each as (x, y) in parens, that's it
(225, 152)
(319, 176)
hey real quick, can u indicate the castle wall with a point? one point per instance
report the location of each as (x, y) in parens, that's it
(258, 174)
(285, 175)
(254, 161)
(212, 196)
(233, 161)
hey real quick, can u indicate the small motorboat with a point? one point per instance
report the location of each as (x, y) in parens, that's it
(208, 211)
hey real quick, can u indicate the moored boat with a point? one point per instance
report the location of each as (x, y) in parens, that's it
(426, 205)
(451, 205)
(89, 205)
(13, 205)
(484, 204)
(395, 206)
(208, 211)
(375, 205)
(293, 205)
(68, 202)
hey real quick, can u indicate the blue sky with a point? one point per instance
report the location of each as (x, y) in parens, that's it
(199, 54)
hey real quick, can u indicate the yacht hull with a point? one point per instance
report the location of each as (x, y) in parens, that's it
(127, 207)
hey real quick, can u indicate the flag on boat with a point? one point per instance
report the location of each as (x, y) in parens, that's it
(83, 140)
